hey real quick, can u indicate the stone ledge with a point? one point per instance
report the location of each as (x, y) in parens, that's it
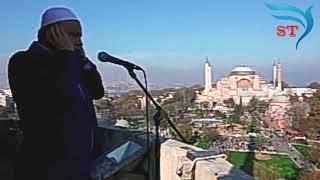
(170, 159)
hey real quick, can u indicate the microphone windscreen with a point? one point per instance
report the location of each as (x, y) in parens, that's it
(103, 56)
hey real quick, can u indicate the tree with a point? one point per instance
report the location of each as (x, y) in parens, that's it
(235, 118)
(314, 102)
(203, 141)
(309, 175)
(298, 112)
(229, 103)
(260, 142)
(312, 133)
(262, 106)
(310, 126)
(220, 114)
(126, 106)
(252, 105)
(185, 130)
(212, 133)
(199, 113)
(314, 155)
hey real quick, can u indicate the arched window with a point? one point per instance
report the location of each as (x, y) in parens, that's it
(244, 84)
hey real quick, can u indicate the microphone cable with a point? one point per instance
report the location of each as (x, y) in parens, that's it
(147, 124)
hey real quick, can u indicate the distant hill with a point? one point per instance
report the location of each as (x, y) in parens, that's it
(315, 85)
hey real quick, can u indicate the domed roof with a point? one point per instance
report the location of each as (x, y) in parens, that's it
(279, 97)
(242, 70)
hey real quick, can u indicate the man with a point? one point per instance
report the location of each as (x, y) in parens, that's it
(53, 85)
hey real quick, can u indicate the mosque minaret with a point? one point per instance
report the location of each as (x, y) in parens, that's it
(274, 74)
(279, 77)
(207, 76)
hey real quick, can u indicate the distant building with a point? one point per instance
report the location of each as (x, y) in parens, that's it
(206, 122)
(242, 84)
(159, 99)
(6, 100)
(300, 91)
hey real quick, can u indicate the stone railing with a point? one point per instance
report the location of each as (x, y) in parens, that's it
(174, 164)
(175, 161)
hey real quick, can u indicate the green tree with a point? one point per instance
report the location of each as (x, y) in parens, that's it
(220, 114)
(199, 113)
(234, 118)
(260, 142)
(212, 133)
(203, 142)
(312, 133)
(186, 130)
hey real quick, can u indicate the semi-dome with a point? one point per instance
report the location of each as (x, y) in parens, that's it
(242, 70)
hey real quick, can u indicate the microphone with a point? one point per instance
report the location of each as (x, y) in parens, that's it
(105, 57)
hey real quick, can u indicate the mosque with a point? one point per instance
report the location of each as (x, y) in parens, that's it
(241, 84)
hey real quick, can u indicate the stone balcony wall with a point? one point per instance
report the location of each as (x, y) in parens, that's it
(174, 152)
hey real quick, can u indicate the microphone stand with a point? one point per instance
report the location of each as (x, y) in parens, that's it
(158, 116)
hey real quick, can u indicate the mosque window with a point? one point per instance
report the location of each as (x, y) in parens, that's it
(244, 84)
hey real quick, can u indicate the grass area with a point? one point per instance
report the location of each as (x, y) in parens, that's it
(303, 149)
(281, 165)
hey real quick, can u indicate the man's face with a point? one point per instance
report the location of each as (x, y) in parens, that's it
(73, 29)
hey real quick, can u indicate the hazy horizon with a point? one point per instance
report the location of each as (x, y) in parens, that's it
(293, 74)
(171, 43)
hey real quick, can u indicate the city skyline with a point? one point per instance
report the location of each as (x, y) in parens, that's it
(192, 76)
(171, 39)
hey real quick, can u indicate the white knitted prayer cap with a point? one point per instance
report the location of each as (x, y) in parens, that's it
(57, 14)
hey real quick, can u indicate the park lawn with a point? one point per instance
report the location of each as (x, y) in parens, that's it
(282, 164)
(303, 149)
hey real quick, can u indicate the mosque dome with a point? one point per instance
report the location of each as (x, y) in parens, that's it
(242, 70)
(279, 97)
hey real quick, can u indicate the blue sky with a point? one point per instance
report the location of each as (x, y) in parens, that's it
(172, 36)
